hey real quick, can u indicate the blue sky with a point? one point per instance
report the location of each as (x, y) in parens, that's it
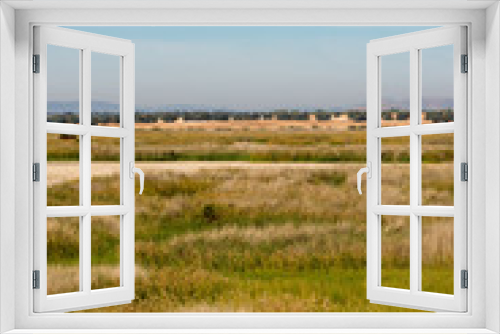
(249, 67)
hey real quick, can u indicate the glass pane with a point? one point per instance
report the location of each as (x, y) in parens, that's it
(105, 171)
(437, 169)
(105, 252)
(395, 171)
(437, 84)
(63, 254)
(63, 169)
(395, 86)
(63, 84)
(395, 242)
(437, 254)
(105, 89)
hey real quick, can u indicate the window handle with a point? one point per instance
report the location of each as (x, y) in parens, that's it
(133, 170)
(368, 171)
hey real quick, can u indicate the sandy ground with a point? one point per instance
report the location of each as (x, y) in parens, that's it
(59, 172)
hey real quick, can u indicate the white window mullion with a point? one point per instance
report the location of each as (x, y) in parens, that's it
(427, 129)
(107, 131)
(66, 211)
(85, 159)
(86, 174)
(434, 129)
(80, 211)
(123, 176)
(82, 279)
(86, 250)
(416, 121)
(392, 210)
(434, 211)
(109, 210)
(392, 131)
(122, 251)
(85, 254)
(414, 172)
(68, 129)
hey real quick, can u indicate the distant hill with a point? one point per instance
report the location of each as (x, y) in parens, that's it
(429, 103)
(70, 107)
(64, 107)
(437, 103)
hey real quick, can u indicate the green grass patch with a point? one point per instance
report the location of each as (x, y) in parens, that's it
(253, 146)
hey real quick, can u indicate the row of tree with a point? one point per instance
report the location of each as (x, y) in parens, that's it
(167, 116)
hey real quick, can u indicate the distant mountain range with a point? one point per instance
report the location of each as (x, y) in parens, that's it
(427, 103)
(65, 107)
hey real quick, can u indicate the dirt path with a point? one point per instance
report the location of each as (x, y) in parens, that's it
(60, 172)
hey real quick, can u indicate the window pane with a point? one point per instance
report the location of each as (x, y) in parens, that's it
(63, 251)
(63, 84)
(105, 252)
(395, 249)
(105, 171)
(105, 89)
(437, 169)
(63, 169)
(395, 171)
(395, 86)
(437, 84)
(437, 254)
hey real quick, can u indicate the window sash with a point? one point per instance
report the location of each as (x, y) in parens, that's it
(412, 43)
(86, 297)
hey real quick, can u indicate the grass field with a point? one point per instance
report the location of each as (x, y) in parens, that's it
(254, 146)
(236, 239)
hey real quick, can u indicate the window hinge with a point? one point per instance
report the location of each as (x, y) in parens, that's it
(464, 171)
(465, 64)
(465, 279)
(36, 172)
(36, 63)
(36, 279)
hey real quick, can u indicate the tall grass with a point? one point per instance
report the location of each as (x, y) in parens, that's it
(276, 240)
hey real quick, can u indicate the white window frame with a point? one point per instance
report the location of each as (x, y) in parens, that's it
(483, 311)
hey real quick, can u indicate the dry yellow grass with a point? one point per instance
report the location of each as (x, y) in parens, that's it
(252, 235)
(268, 222)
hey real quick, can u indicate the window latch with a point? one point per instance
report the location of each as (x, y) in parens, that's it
(133, 170)
(368, 171)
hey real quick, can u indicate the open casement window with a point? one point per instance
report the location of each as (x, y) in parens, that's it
(410, 217)
(83, 240)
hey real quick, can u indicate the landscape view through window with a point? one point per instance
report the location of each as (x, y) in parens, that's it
(250, 139)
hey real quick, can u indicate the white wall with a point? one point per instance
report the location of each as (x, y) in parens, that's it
(7, 162)
(492, 165)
